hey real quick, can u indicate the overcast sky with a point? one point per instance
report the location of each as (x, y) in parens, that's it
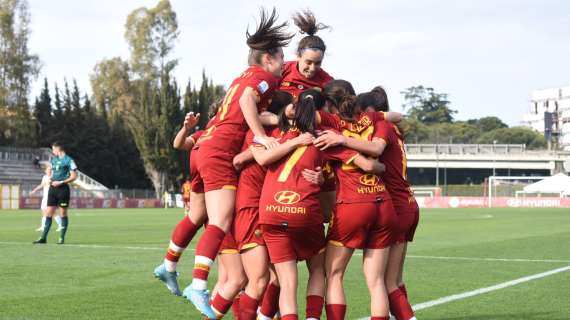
(488, 55)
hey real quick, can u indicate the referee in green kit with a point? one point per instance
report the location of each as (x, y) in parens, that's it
(64, 171)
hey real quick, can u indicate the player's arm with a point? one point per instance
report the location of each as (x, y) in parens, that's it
(182, 141)
(330, 138)
(268, 119)
(243, 158)
(248, 104)
(268, 156)
(37, 188)
(393, 117)
(369, 165)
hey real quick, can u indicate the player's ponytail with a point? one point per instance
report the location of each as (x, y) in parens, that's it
(268, 37)
(309, 101)
(308, 25)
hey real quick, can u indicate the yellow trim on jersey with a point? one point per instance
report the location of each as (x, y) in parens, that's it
(229, 187)
(352, 158)
(229, 251)
(248, 246)
(336, 243)
(293, 159)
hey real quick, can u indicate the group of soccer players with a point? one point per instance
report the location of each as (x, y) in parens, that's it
(288, 150)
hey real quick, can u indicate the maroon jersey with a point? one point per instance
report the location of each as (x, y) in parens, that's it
(364, 121)
(228, 128)
(294, 82)
(394, 158)
(289, 199)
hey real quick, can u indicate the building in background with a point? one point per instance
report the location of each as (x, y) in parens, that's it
(550, 114)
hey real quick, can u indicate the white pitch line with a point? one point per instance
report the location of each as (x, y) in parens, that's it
(358, 253)
(468, 294)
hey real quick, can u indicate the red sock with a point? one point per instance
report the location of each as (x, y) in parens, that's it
(403, 289)
(181, 237)
(206, 252)
(221, 305)
(314, 306)
(270, 302)
(235, 307)
(379, 318)
(247, 307)
(399, 305)
(336, 311)
(290, 317)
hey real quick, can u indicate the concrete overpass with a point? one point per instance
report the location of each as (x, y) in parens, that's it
(471, 163)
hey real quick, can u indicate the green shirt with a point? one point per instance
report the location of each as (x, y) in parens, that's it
(61, 167)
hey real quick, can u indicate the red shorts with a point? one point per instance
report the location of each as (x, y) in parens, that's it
(216, 170)
(246, 229)
(370, 225)
(229, 245)
(186, 199)
(293, 244)
(408, 217)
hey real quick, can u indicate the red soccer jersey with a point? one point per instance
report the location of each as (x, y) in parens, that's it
(289, 199)
(186, 188)
(364, 121)
(228, 127)
(394, 158)
(251, 178)
(294, 82)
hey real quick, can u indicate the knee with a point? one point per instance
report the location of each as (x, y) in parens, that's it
(238, 281)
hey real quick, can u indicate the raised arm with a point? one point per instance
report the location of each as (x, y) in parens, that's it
(182, 141)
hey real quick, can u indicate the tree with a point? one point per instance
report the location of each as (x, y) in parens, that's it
(514, 135)
(427, 106)
(111, 85)
(43, 116)
(487, 124)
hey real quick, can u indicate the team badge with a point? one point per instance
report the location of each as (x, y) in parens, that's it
(263, 86)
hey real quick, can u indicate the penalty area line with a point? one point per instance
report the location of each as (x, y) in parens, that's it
(468, 294)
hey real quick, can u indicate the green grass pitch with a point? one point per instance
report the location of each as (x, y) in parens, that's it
(105, 269)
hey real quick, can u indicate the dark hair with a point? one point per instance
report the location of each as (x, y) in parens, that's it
(365, 100)
(307, 23)
(267, 38)
(341, 94)
(214, 107)
(305, 110)
(380, 99)
(57, 144)
(279, 101)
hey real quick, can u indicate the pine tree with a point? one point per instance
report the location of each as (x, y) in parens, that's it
(43, 116)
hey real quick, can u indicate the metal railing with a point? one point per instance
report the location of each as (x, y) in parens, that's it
(466, 148)
(24, 154)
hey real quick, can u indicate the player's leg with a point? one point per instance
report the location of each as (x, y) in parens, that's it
(52, 203)
(256, 265)
(181, 237)
(336, 260)
(64, 224)
(287, 275)
(374, 267)
(59, 221)
(315, 287)
(235, 280)
(270, 303)
(399, 305)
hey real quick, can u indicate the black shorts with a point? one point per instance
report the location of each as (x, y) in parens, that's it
(58, 196)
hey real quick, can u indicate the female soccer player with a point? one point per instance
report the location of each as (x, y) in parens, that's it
(290, 216)
(364, 216)
(196, 215)
(247, 94)
(393, 155)
(306, 72)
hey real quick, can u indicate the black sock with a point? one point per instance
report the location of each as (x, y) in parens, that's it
(64, 224)
(46, 228)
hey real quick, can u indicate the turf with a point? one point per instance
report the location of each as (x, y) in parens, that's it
(105, 270)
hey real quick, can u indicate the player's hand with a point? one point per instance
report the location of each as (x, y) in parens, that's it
(314, 176)
(267, 142)
(56, 183)
(191, 120)
(329, 139)
(304, 139)
(238, 164)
